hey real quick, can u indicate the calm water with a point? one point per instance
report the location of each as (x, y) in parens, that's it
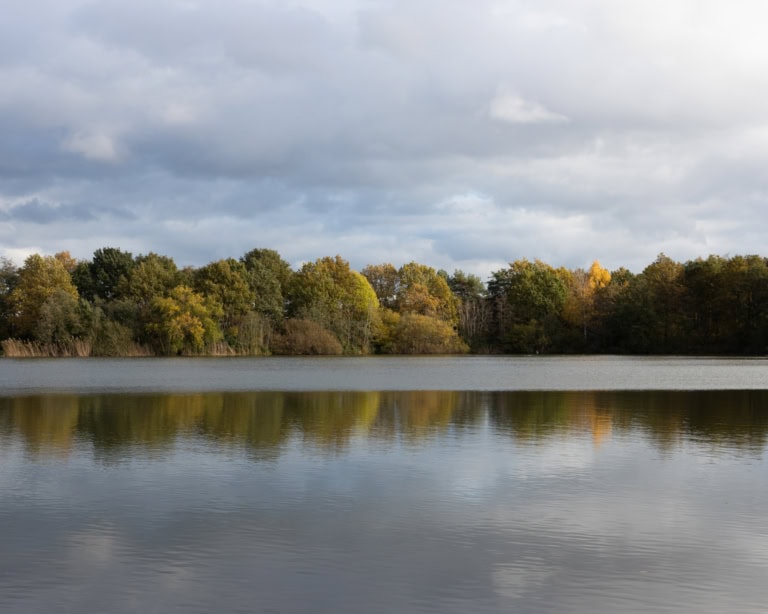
(339, 486)
(381, 373)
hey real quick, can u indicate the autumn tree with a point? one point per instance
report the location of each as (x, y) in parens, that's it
(184, 322)
(39, 279)
(421, 290)
(385, 281)
(328, 292)
(583, 289)
(68, 262)
(412, 333)
(226, 283)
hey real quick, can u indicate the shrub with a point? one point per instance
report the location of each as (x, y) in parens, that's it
(412, 333)
(304, 337)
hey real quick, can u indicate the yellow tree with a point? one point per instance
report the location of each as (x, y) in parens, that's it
(184, 322)
(599, 277)
(583, 287)
(422, 291)
(39, 279)
(412, 333)
(330, 293)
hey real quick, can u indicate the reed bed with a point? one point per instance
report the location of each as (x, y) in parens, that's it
(16, 348)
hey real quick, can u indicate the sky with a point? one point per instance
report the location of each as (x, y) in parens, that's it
(462, 135)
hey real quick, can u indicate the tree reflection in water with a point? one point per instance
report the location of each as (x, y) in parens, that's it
(263, 422)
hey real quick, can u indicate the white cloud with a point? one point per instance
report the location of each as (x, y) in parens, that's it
(514, 109)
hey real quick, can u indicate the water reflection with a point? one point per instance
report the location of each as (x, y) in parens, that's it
(263, 422)
(381, 502)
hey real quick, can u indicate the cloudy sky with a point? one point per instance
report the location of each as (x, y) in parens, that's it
(457, 134)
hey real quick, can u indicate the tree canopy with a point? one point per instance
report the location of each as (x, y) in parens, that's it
(118, 304)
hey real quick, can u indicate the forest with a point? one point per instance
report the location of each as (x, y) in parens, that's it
(118, 304)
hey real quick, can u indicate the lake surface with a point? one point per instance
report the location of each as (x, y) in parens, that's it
(338, 485)
(380, 373)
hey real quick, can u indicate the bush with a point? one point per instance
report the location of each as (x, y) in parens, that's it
(412, 333)
(114, 339)
(304, 337)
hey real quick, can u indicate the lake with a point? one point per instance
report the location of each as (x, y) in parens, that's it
(471, 484)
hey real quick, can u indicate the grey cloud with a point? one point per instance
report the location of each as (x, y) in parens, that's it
(275, 39)
(207, 127)
(37, 212)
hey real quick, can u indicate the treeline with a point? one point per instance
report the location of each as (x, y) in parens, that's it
(117, 304)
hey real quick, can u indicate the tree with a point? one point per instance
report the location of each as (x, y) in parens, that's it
(583, 288)
(184, 322)
(39, 279)
(465, 286)
(8, 278)
(104, 276)
(67, 261)
(268, 276)
(151, 276)
(746, 281)
(664, 290)
(623, 309)
(63, 318)
(226, 282)
(527, 300)
(331, 294)
(385, 281)
(473, 308)
(421, 290)
(706, 304)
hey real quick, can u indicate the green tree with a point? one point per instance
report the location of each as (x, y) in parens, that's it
(63, 318)
(662, 282)
(103, 277)
(706, 304)
(627, 317)
(9, 275)
(527, 300)
(151, 276)
(746, 281)
(268, 277)
(226, 282)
